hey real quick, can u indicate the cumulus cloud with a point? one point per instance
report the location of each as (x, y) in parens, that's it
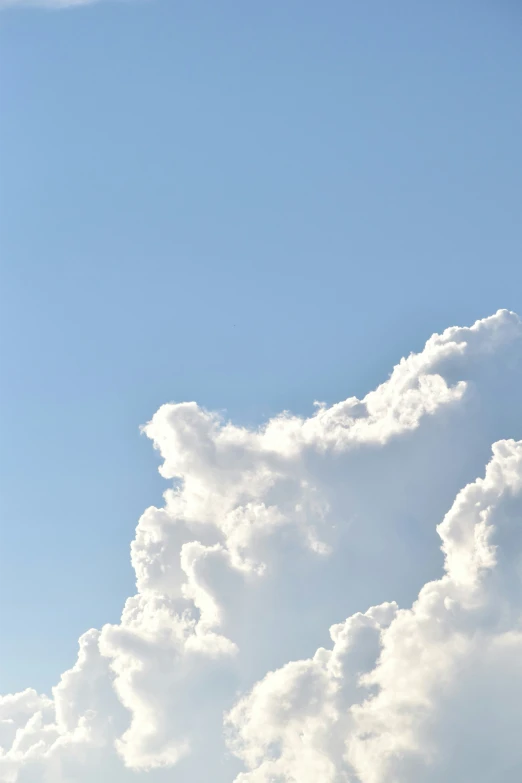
(431, 693)
(221, 665)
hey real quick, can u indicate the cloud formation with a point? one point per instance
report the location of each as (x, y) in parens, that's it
(221, 663)
(431, 693)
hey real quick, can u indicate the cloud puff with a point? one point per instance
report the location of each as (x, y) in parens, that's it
(269, 536)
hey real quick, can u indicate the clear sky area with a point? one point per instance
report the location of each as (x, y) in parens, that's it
(253, 206)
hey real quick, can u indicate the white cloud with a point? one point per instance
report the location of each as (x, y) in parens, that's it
(433, 693)
(268, 537)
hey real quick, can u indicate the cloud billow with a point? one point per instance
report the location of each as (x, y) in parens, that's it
(222, 664)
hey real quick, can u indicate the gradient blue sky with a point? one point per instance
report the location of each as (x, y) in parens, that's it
(253, 205)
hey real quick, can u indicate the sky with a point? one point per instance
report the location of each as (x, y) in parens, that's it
(251, 208)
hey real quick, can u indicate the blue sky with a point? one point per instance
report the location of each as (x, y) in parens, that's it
(251, 205)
